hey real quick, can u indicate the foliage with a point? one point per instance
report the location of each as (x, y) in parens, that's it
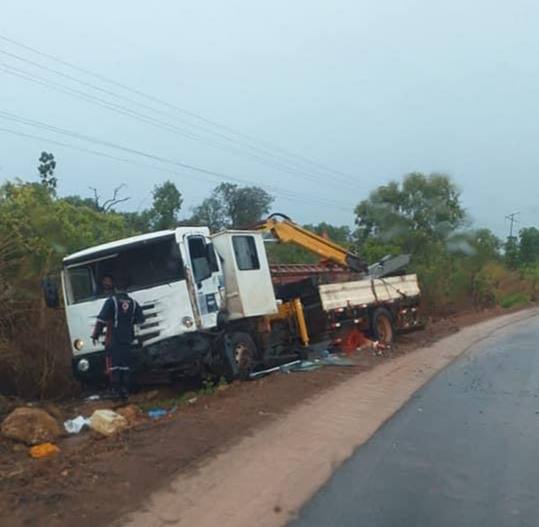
(409, 215)
(79, 201)
(37, 361)
(138, 222)
(279, 253)
(232, 207)
(512, 256)
(372, 250)
(163, 214)
(529, 245)
(514, 299)
(46, 168)
(167, 202)
(530, 274)
(44, 229)
(340, 234)
(423, 216)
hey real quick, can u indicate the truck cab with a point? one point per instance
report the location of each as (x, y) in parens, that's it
(174, 275)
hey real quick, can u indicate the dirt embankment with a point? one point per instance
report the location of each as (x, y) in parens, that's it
(94, 481)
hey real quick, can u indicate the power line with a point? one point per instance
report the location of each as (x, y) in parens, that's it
(152, 109)
(266, 147)
(124, 160)
(163, 125)
(163, 102)
(125, 111)
(214, 175)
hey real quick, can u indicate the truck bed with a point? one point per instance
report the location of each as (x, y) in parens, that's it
(368, 291)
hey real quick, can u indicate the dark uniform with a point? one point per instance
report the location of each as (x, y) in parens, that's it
(119, 314)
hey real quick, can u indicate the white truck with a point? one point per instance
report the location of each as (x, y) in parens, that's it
(211, 305)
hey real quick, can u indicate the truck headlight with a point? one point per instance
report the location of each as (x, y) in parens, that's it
(83, 365)
(78, 344)
(187, 322)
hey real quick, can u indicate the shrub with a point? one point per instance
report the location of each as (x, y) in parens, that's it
(514, 299)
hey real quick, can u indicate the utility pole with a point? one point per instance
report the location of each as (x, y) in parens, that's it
(512, 221)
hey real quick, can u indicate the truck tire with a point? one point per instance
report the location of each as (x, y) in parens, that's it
(382, 328)
(244, 353)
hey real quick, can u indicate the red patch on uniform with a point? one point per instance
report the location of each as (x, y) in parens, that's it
(125, 306)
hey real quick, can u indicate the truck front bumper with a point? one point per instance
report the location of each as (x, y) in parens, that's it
(89, 367)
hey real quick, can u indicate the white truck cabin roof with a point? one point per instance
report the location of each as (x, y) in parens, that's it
(106, 249)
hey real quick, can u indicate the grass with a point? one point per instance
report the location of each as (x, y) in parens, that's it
(514, 299)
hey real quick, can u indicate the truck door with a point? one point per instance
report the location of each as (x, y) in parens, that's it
(207, 278)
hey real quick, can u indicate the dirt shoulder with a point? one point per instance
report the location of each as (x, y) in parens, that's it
(95, 481)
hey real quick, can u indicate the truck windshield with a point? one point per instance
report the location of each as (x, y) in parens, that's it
(142, 266)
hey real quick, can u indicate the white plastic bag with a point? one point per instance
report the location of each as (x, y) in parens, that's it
(74, 426)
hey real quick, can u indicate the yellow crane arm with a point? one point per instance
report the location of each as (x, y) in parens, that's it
(286, 231)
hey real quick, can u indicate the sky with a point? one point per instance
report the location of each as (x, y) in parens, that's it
(327, 100)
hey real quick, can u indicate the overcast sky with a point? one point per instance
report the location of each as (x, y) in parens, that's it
(371, 90)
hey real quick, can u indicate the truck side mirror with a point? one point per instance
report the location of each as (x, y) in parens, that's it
(50, 292)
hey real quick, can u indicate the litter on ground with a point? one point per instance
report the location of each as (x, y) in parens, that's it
(107, 422)
(43, 450)
(283, 368)
(156, 413)
(307, 365)
(318, 360)
(74, 426)
(336, 360)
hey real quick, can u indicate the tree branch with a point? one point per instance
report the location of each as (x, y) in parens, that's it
(107, 205)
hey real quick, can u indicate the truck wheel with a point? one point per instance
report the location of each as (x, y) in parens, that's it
(244, 353)
(382, 326)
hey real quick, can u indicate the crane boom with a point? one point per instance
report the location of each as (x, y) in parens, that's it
(286, 231)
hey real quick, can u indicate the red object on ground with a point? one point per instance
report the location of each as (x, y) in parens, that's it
(353, 340)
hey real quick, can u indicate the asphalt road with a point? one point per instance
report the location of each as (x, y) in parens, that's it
(463, 452)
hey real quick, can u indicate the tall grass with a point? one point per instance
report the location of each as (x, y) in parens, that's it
(34, 351)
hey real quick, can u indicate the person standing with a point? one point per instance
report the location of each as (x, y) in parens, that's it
(120, 313)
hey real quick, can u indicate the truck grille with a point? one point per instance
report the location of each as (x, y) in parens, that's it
(152, 327)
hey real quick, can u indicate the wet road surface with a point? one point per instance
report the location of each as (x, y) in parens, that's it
(464, 451)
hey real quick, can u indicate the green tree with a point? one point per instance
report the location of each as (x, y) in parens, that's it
(471, 253)
(79, 201)
(529, 245)
(373, 250)
(420, 209)
(291, 254)
(340, 234)
(486, 244)
(46, 168)
(167, 202)
(210, 213)
(44, 229)
(231, 207)
(138, 222)
(512, 253)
